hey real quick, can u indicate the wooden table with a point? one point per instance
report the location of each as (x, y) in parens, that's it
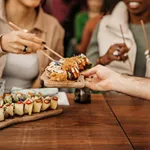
(133, 115)
(108, 123)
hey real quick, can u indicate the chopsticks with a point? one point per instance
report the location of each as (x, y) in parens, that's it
(121, 29)
(146, 41)
(15, 27)
(122, 34)
(50, 58)
(145, 35)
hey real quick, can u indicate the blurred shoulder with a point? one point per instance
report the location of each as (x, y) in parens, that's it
(81, 15)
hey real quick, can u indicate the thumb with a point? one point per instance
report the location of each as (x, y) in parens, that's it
(91, 71)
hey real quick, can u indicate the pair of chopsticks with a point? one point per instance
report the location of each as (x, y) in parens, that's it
(146, 41)
(145, 38)
(121, 29)
(15, 27)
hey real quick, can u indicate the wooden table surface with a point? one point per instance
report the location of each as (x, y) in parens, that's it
(133, 114)
(110, 122)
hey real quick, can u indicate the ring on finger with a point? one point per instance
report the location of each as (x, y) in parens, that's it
(25, 49)
(147, 52)
(116, 53)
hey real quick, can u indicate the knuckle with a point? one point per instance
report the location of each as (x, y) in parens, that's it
(18, 33)
(16, 39)
(15, 46)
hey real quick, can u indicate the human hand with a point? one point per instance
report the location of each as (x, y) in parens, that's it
(116, 52)
(15, 42)
(101, 78)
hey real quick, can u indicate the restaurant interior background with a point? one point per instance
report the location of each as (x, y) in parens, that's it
(65, 112)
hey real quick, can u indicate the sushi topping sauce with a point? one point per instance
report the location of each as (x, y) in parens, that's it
(55, 98)
(7, 105)
(28, 102)
(46, 101)
(1, 106)
(19, 102)
(38, 100)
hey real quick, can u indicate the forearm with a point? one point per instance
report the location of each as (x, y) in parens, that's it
(135, 86)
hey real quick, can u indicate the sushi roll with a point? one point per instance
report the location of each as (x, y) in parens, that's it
(30, 95)
(8, 98)
(28, 106)
(18, 97)
(2, 116)
(19, 108)
(46, 103)
(37, 104)
(55, 72)
(9, 110)
(1, 102)
(54, 102)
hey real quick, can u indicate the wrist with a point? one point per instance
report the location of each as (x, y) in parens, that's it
(117, 82)
(104, 60)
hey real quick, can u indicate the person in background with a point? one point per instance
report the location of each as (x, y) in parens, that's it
(107, 46)
(21, 61)
(94, 9)
(47, 6)
(65, 11)
(104, 79)
(90, 25)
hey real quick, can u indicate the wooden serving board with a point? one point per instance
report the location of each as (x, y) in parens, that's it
(33, 117)
(80, 83)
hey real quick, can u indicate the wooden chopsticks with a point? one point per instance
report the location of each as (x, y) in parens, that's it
(122, 34)
(145, 35)
(15, 27)
(147, 53)
(121, 29)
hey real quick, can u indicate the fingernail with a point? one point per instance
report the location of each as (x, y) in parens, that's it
(43, 42)
(146, 52)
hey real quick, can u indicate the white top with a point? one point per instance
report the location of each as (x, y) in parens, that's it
(20, 70)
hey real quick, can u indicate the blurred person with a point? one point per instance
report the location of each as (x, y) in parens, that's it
(94, 9)
(90, 25)
(107, 39)
(101, 78)
(21, 61)
(65, 11)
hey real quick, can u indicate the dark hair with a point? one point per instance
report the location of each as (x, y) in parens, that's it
(108, 5)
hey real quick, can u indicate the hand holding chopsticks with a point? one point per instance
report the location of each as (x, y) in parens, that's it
(19, 42)
(14, 27)
(116, 53)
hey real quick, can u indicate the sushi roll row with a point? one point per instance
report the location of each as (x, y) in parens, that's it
(67, 68)
(20, 104)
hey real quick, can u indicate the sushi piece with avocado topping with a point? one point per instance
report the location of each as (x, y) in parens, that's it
(19, 108)
(54, 103)
(46, 103)
(8, 98)
(9, 110)
(28, 106)
(18, 97)
(37, 104)
(2, 116)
